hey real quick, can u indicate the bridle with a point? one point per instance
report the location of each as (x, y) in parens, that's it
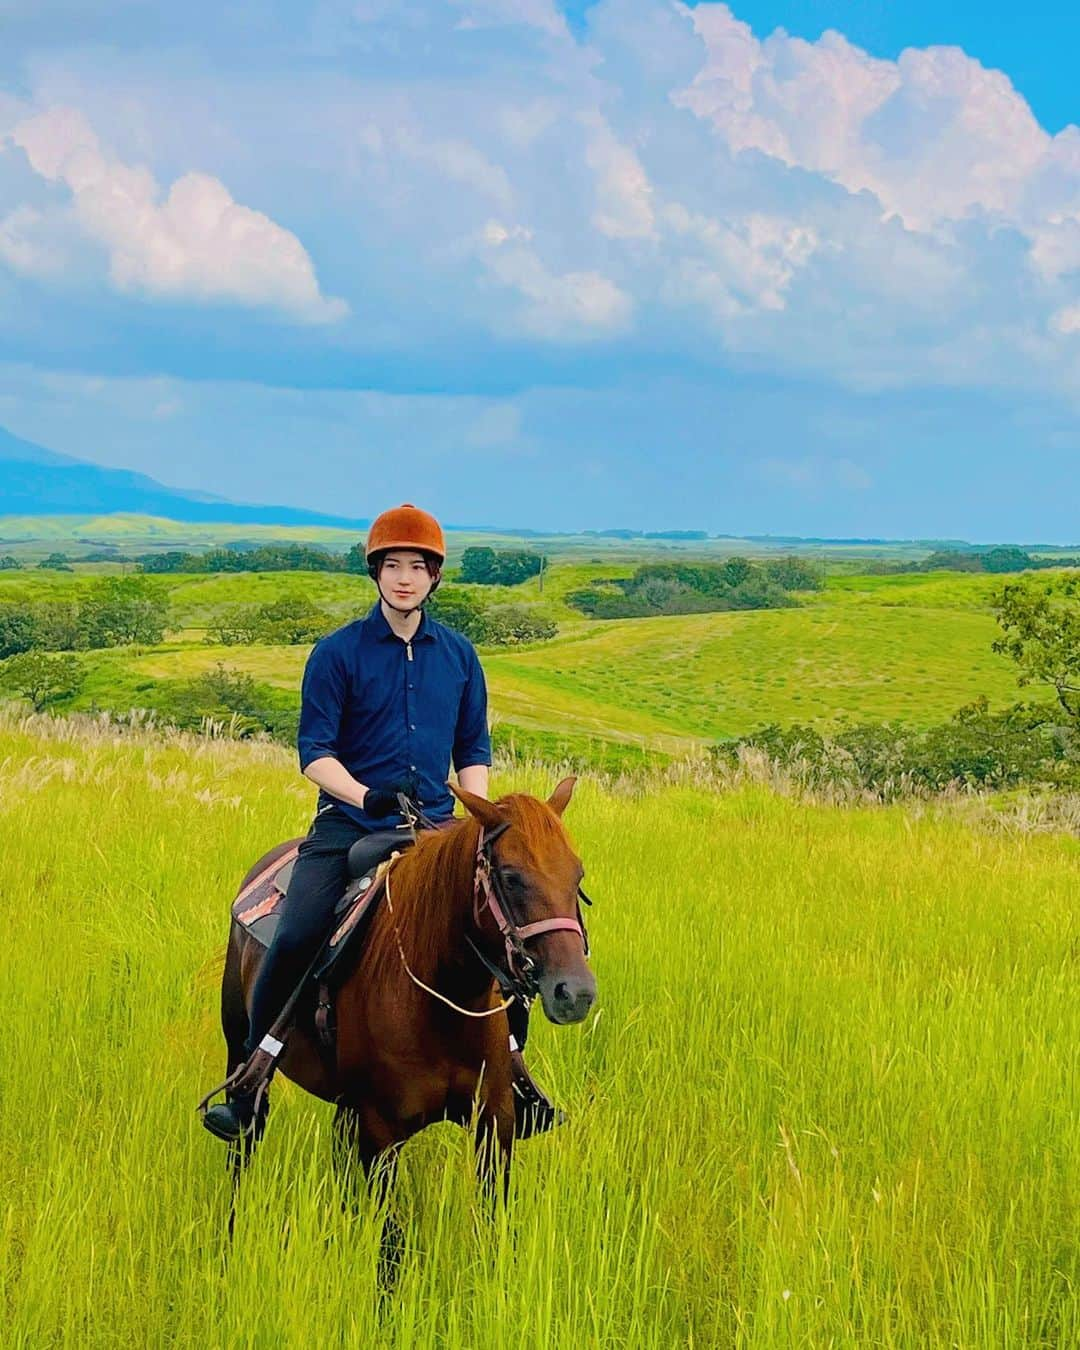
(490, 894)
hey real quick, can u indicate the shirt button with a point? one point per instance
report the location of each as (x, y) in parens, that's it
(412, 767)
(412, 686)
(412, 726)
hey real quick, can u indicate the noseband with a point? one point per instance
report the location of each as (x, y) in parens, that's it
(490, 893)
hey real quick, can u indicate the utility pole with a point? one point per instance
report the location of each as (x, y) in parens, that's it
(542, 561)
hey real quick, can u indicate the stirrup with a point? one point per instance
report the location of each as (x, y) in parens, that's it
(252, 1078)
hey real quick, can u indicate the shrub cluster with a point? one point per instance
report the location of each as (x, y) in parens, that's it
(109, 613)
(492, 625)
(485, 567)
(226, 698)
(976, 748)
(696, 588)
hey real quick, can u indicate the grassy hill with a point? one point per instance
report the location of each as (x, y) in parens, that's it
(912, 648)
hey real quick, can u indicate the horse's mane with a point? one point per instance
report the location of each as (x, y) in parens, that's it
(431, 887)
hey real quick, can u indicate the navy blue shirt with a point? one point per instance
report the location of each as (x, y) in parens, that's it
(395, 713)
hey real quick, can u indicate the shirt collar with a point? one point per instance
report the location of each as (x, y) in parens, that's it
(384, 633)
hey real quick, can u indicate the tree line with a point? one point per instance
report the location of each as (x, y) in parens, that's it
(1000, 560)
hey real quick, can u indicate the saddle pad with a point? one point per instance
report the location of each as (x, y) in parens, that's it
(257, 907)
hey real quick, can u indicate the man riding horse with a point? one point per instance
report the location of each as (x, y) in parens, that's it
(388, 701)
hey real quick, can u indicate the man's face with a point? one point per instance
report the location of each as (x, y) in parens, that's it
(404, 578)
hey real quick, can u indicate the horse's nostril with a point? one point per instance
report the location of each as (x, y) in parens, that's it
(561, 992)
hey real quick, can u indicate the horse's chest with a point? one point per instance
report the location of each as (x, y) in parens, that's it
(425, 1092)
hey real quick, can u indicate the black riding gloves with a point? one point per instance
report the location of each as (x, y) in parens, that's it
(380, 802)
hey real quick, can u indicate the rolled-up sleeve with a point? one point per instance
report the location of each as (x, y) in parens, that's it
(472, 743)
(322, 704)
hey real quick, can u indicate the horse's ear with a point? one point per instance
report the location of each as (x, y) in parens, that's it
(486, 812)
(560, 798)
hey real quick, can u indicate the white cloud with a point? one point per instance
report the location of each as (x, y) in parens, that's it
(197, 243)
(539, 14)
(934, 135)
(623, 192)
(746, 264)
(659, 176)
(25, 245)
(560, 307)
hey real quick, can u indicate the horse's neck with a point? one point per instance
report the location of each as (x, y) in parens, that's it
(434, 892)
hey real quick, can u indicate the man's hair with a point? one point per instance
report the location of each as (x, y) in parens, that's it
(432, 562)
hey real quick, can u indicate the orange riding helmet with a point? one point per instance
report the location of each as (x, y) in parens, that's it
(406, 526)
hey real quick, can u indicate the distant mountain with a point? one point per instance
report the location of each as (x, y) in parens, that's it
(39, 482)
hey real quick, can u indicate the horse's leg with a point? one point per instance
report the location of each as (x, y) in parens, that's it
(494, 1147)
(364, 1141)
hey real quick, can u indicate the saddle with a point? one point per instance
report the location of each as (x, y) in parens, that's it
(258, 906)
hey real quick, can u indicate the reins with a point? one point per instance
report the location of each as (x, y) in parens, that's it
(489, 893)
(465, 1012)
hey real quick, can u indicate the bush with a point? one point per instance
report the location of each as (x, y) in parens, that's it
(976, 748)
(497, 625)
(10, 564)
(229, 697)
(687, 588)
(507, 625)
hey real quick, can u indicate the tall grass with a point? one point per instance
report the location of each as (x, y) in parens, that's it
(829, 1097)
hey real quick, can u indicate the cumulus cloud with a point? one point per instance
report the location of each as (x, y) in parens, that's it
(559, 307)
(658, 177)
(623, 192)
(196, 243)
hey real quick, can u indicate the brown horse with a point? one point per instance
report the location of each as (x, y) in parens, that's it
(421, 1035)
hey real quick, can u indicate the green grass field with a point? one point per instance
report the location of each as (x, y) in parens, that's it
(829, 1097)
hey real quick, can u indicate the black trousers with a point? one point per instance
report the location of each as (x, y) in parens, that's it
(319, 877)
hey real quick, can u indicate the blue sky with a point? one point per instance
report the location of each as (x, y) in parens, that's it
(804, 267)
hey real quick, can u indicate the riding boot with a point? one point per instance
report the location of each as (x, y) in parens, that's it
(534, 1112)
(233, 1118)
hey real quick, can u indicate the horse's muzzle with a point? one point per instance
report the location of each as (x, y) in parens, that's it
(567, 996)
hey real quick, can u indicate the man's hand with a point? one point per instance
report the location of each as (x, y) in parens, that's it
(380, 802)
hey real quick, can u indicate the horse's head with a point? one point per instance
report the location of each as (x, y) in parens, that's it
(530, 916)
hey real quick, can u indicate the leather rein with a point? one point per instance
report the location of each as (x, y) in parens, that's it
(490, 893)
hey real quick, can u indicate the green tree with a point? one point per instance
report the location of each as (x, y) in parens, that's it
(10, 564)
(1006, 560)
(41, 678)
(794, 574)
(460, 610)
(118, 610)
(18, 630)
(479, 566)
(1040, 625)
(737, 570)
(56, 562)
(234, 626)
(290, 621)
